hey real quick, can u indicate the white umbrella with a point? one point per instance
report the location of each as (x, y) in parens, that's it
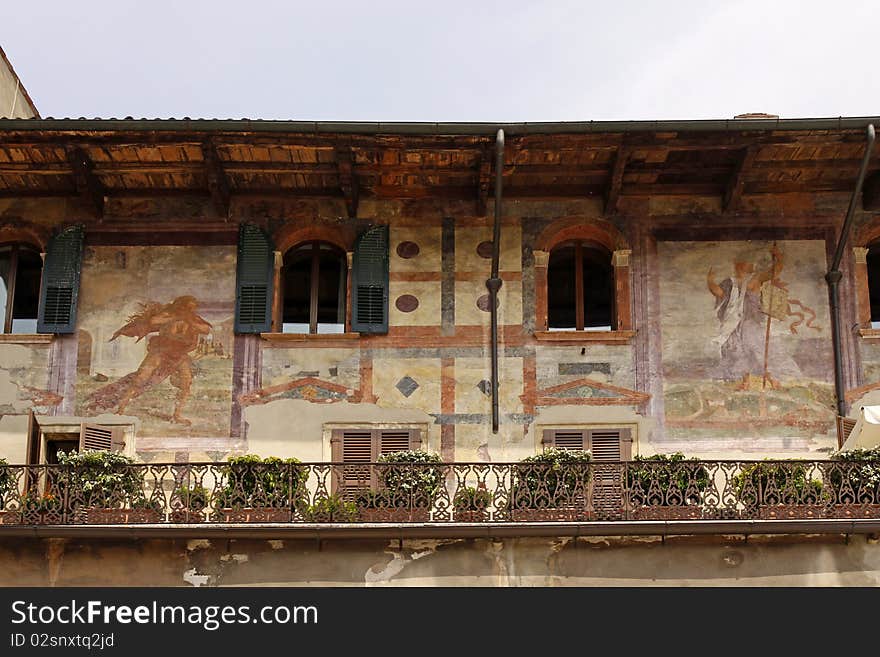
(866, 432)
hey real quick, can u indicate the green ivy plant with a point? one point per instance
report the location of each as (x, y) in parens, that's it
(665, 480)
(409, 478)
(252, 481)
(471, 499)
(550, 479)
(331, 509)
(777, 483)
(856, 478)
(99, 478)
(194, 498)
(7, 483)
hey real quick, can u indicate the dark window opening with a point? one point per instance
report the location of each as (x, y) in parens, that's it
(313, 282)
(874, 283)
(20, 271)
(60, 444)
(580, 288)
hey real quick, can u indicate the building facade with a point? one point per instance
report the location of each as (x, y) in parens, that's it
(207, 289)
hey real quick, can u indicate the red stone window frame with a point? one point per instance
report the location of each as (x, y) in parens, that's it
(599, 232)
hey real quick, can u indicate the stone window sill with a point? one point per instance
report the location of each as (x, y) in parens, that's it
(26, 338)
(604, 337)
(309, 337)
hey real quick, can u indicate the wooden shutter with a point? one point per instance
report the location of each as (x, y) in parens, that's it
(59, 287)
(353, 446)
(370, 282)
(254, 281)
(607, 447)
(97, 437)
(570, 440)
(391, 441)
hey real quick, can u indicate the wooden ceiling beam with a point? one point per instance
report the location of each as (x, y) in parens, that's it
(218, 184)
(615, 182)
(348, 181)
(737, 183)
(484, 180)
(88, 187)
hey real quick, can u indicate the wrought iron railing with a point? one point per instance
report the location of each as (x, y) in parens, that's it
(212, 493)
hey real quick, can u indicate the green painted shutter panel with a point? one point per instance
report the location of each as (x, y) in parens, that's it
(370, 282)
(254, 278)
(60, 283)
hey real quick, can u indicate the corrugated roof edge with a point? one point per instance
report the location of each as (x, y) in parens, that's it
(425, 128)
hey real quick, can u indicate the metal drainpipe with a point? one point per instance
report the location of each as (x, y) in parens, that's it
(493, 283)
(834, 275)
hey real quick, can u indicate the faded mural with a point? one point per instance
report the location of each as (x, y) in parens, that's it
(155, 337)
(746, 339)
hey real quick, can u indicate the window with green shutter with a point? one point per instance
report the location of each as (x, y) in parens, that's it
(254, 278)
(370, 282)
(60, 285)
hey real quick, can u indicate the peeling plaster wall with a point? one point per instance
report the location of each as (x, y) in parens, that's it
(610, 561)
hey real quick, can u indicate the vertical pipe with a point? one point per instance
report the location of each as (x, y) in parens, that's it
(834, 275)
(493, 283)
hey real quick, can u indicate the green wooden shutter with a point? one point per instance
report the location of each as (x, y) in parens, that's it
(370, 282)
(60, 284)
(254, 278)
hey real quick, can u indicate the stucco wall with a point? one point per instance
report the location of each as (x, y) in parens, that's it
(276, 397)
(13, 103)
(613, 561)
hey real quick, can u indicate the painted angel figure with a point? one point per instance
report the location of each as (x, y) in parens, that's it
(174, 331)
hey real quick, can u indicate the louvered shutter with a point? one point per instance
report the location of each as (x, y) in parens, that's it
(565, 439)
(391, 441)
(254, 279)
(608, 447)
(352, 448)
(370, 282)
(97, 437)
(59, 288)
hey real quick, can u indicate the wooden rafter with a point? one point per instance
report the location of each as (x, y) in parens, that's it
(88, 187)
(348, 182)
(218, 185)
(737, 183)
(615, 184)
(484, 179)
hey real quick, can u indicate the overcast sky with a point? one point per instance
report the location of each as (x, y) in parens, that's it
(378, 60)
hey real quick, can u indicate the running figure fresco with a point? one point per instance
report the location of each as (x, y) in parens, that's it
(745, 305)
(174, 331)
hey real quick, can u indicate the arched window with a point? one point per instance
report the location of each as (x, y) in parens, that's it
(580, 287)
(313, 281)
(873, 261)
(20, 269)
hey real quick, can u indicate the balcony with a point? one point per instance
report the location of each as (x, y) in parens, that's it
(433, 500)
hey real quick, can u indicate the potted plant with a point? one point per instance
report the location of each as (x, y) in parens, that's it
(665, 487)
(779, 490)
(36, 509)
(188, 503)
(471, 504)
(102, 487)
(258, 489)
(853, 479)
(553, 485)
(333, 508)
(408, 485)
(7, 492)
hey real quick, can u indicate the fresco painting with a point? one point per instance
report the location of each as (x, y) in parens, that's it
(156, 337)
(746, 338)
